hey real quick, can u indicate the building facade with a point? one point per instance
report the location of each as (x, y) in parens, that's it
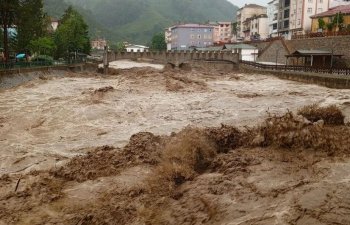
(256, 28)
(330, 15)
(272, 15)
(243, 14)
(222, 32)
(189, 36)
(98, 44)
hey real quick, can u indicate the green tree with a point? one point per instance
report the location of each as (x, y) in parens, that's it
(321, 23)
(72, 34)
(43, 45)
(338, 20)
(119, 46)
(158, 42)
(31, 23)
(8, 12)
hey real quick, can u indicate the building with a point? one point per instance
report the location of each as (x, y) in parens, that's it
(167, 34)
(272, 15)
(329, 15)
(137, 48)
(243, 14)
(283, 18)
(335, 3)
(256, 28)
(222, 32)
(98, 44)
(54, 24)
(246, 52)
(189, 36)
(300, 13)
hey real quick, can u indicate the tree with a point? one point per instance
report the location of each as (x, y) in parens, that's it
(321, 23)
(72, 34)
(158, 42)
(8, 11)
(31, 23)
(119, 46)
(43, 45)
(338, 20)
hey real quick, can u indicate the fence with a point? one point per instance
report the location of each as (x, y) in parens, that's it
(19, 65)
(339, 71)
(321, 34)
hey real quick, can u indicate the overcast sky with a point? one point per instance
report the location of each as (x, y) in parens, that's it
(241, 3)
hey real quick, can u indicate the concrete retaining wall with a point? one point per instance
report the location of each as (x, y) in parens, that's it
(331, 81)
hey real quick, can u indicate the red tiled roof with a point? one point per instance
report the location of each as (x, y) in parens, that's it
(344, 9)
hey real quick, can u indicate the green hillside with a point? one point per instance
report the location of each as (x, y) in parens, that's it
(137, 20)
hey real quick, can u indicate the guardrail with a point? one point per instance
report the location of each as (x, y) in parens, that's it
(321, 34)
(19, 65)
(338, 71)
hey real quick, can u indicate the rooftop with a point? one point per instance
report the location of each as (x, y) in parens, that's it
(192, 25)
(344, 9)
(239, 46)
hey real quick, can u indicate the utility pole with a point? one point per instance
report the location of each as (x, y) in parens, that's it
(105, 60)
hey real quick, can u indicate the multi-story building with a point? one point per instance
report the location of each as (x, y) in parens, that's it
(187, 36)
(301, 12)
(222, 32)
(294, 16)
(167, 34)
(98, 44)
(272, 15)
(334, 3)
(256, 28)
(243, 14)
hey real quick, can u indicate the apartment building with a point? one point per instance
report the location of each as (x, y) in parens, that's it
(188, 36)
(300, 14)
(330, 15)
(294, 16)
(272, 17)
(222, 32)
(243, 14)
(334, 3)
(98, 44)
(256, 28)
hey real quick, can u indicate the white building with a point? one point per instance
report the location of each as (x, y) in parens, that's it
(259, 29)
(243, 14)
(272, 15)
(168, 38)
(137, 48)
(334, 3)
(246, 52)
(300, 13)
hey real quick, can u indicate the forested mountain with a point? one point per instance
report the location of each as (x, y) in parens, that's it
(137, 20)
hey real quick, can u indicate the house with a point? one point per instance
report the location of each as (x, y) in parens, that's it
(330, 15)
(256, 28)
(243, 14)
(246, 52)
(222, 32)
(98, 44)
(54, 23)
(137, 48)
(189, 36)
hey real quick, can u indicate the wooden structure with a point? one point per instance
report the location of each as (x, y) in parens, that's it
(312, 58)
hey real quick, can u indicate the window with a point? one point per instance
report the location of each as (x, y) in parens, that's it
(286, 24)
(309, 10)
(205, 30)
(286, 3)
(286, 13)
(310, 1)
(274, 26)
(298, 21)
(319, 10)
(321, 1)
(199, 36)
(192, 36)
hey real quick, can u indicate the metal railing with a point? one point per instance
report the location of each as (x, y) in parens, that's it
(321, 34)
(34, 64)
(323, 70)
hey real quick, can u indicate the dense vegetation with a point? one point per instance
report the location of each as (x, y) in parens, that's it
(138, 20)
(25, 29)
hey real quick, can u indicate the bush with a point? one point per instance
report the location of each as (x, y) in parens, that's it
(331, 115)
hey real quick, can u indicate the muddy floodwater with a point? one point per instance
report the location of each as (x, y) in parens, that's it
(161, 146)
(44, 122)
